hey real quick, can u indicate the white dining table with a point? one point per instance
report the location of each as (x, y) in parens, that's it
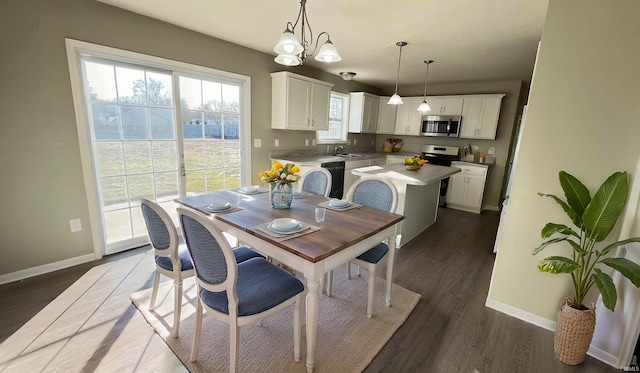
(342, 236)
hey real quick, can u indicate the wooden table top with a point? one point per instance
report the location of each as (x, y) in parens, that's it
(340, 230)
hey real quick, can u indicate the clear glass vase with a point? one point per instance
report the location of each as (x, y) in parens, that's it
(281, 195)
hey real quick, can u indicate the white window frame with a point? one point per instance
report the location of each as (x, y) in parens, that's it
(75, 49)
(344, 121)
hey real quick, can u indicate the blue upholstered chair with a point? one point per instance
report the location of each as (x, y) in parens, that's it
(235, 293)
(317, 181)
(382, 195)
(171, 257)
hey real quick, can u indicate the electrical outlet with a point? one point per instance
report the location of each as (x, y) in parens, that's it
(75, 225)
(277, 142)
(257, 143)
(306, 142)
(355, 142)
(492, 150)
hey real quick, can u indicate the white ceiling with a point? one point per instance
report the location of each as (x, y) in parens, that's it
(469, 40)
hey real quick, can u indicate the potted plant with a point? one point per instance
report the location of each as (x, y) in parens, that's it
(594, 219)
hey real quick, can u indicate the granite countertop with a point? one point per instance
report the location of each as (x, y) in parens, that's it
(306, 158)
(427, 174)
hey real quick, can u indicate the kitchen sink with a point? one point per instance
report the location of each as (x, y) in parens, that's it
(353, 155)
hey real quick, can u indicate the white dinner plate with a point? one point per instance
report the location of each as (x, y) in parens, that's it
(301, 226)
(218, 206)
(339, 204)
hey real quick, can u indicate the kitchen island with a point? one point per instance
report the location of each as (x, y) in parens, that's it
(418, 193)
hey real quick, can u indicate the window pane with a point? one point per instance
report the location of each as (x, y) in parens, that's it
(106, 121)
(131, 86)
(231, 98)
(138, 156)
(159, 89)
(212, 125)
(231, 126)
(164, 156)
(193, 154)
(190, 93)
(140, 186)
(114, 191)
(212, 96)
(110, 158)
(166, 184)
(101, 82)
(117, 225)
(195, 182)
(162, 126)
(134, 123)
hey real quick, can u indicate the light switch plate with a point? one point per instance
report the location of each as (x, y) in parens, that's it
(492, 150)
(75, 225)
(257, 143)
(277, 142)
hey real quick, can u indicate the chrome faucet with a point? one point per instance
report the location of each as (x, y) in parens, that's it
(338, 150)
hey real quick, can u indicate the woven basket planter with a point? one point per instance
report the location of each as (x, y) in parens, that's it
(574, 331)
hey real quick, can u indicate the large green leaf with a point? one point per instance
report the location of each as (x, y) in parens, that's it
(547, 243)
(578, 196)
(557, 264)
(607, 288)
(606, 250)
(626, 267)
(602, 212)
(575, 218)
(553, 228)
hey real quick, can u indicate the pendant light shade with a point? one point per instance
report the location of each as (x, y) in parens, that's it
(396, 99)
(292, 52)
(424, 106)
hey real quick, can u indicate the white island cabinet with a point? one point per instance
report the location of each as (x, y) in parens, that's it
(418, 193)
(466, 189)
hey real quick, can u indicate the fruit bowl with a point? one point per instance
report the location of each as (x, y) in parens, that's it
(412, 168)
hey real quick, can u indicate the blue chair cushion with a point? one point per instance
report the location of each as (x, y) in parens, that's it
(260, 287)
(183, 255)
(243, 253)
(374, 254)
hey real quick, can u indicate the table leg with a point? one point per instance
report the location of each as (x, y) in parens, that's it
(392, 255)
(313, 287)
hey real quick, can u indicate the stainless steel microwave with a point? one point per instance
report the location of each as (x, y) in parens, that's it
(442, 125)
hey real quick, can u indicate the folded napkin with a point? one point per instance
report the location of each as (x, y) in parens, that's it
(263, 228)
(353, 205)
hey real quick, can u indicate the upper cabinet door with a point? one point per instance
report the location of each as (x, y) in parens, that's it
(299, 102)
(408, 118)
(386, 116)
(441, 105)
(320, 97)
(480, 117)
(363, 112)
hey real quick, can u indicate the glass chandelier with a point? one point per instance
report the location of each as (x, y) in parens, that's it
(292, 52)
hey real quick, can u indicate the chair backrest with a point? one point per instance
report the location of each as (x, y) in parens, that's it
(317, 181)
(213, 260)
(377, 193)
(162, 233)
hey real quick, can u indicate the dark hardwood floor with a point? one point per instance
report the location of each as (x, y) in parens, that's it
(450, 329)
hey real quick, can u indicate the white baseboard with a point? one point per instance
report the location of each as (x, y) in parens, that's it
(522, 315)
(597, 353)
(491, 207)
(45, 268)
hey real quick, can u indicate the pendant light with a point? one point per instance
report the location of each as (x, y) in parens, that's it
(396, 99)
(424, 107)
(292, 52)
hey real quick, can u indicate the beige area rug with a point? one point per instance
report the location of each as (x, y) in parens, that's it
(346, 340)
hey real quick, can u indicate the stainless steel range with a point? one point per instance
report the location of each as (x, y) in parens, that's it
(442, 156)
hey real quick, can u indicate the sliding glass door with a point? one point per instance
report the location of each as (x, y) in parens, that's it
(159, 134)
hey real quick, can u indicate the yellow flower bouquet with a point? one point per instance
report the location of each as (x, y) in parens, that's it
(280, 179)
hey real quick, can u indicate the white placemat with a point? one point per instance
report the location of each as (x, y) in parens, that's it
(263, 228)
(353, 205)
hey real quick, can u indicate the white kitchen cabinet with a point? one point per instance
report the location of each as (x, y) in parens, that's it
(442, 105)
(386, 116)
(480, 117)
(408, 118)
(363, 112)
(466, 188)
(299, 102)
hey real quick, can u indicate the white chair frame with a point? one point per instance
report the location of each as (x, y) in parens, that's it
(371, 267)
(177, 275)
(232, 319)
